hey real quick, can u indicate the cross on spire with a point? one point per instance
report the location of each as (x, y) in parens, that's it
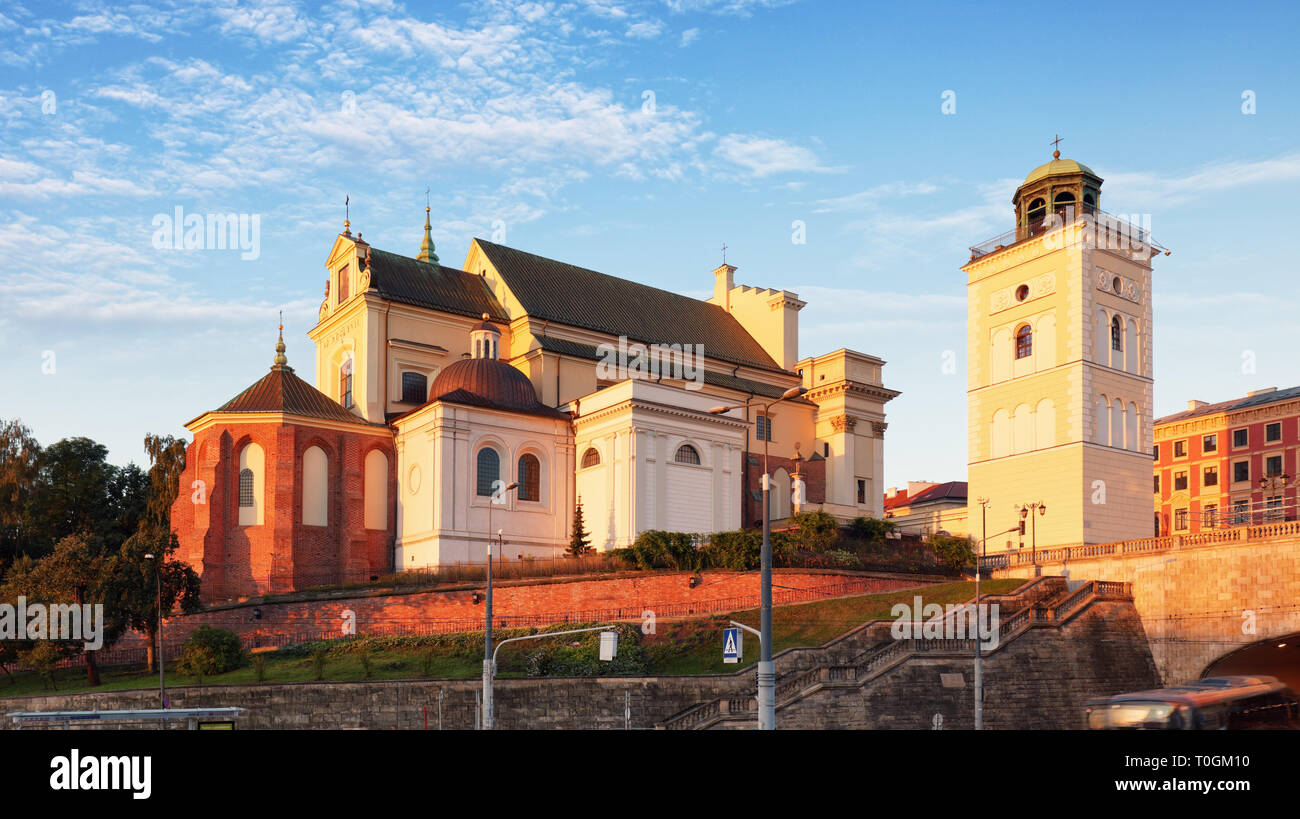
(724, 252)
(1056, 154)
(347, 215)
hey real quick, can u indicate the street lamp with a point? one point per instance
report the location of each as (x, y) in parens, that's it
(1027, 511)
(766, 669)
(498, 497)
(1273, 482)
(162, 680)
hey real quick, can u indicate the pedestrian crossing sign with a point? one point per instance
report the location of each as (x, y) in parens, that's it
(732, 645)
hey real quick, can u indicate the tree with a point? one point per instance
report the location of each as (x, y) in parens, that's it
(77, 571)
(579, 542)
(139, 576)
(19, 467)
(137, 584)
(71, 495)
(872, 530)
(956, 552)
(816, 530)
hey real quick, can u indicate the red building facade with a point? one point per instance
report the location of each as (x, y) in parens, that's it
(1228, 464)
(283, 489)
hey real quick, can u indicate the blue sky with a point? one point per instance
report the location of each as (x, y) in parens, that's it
(535, 118)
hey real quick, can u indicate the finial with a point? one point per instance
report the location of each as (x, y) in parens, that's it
(281, 361)
(426, 247)
(1057, 142)
(347, 215)
(724, 252)
(485, 317)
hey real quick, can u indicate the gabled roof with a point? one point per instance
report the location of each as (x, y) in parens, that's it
(572, 295)
(950, 491)
(282, 391)
(406, 280)
(1234, 404)
(577, 349)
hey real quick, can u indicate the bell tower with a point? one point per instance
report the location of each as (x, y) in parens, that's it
(1059, 357)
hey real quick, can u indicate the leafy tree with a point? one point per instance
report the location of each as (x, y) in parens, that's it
(19, 468)
(956, 552)
(579, 541)
(76, 571)
(815, 530)
(138, 593)
(210, 651)
(71, 495)
(675, 550)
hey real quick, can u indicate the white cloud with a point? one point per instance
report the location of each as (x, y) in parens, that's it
(762, 156)
(645, 30)
(689, 36)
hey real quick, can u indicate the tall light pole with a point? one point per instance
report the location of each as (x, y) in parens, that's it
(766, 668)
(162, 680)
(979, 651)
(497, 497)
(1027, 511)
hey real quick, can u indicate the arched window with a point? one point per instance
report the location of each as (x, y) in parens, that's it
(530, 478)
(686, 454)
(415, 388)
(1063, 200)
(245, 488)
(1024, 341)
(1037, 210)
(345, 384)
(1116, 334)
(590, 458)
(252, 476)
(315, 487)
(376, 498)
(489, 471)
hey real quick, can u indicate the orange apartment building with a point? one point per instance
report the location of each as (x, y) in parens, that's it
(1227, 464)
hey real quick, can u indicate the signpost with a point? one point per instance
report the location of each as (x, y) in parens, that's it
(733, 645)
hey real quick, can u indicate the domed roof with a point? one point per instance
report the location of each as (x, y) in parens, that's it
(485, 382)
(1057, 167)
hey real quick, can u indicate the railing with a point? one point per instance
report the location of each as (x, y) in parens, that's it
(1107, 230)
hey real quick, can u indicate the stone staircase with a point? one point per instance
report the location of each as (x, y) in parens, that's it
(869, 652)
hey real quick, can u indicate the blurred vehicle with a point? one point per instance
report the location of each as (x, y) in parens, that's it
(1214, 704)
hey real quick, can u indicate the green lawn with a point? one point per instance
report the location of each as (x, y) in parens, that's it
(678, 647)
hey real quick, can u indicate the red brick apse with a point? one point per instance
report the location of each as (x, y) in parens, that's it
(273, 550)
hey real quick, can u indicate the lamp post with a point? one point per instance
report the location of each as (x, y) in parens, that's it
(1027, 511)
(488, 656)
(766, 669)
(162, 680)
(1274, 482)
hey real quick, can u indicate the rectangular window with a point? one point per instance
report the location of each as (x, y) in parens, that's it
(1210, 477)
(1273, 508)
(1180, 449)
(1240, 512)
(1240, 471)
(1180, 481)
(1155, 452)
(826, 449)
(1210, 516)
(415, 388)
(1180, 520)
(1273, 432)
(1273, 465)
(1240, 437)
(862, 491)
(763, 428)
(1157, 485)
(1210, 443)
(343, 284)
(1157, 529)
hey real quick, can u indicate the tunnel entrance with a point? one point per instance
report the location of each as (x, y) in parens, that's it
(1279, 657)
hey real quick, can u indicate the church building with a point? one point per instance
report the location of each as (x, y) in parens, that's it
(456, 405)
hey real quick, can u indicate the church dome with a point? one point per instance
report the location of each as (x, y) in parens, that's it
(486, 381)
(1057, 167)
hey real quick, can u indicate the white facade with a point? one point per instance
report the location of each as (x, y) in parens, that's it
(638, 429)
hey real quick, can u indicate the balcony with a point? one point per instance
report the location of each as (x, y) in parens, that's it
(1102, 230)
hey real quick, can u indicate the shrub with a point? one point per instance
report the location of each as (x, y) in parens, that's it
(871, 529)
(210, 651)
(318, 664)
(816, 530)
(259, 667)
(956, 552)
(655, 549)
(740, 550)
(366, 665)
